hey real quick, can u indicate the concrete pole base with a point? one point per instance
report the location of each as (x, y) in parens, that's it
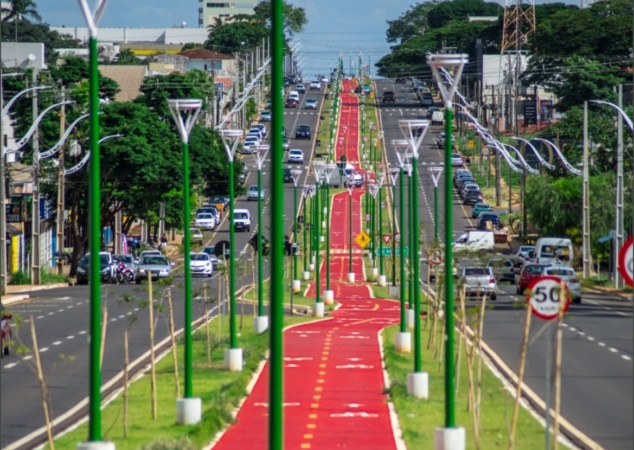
(188, 411)
(329, 297)
(411, 318)
(99, 445)
(318, 309)
(450, 438)
(403, 342)
(260, 324)
(322, 238)
(323, 224)
(233, 359)
(382, 280)
(307, 274)
(393, 291)
(375, 272)
(311, 267)
(296, 285)
(418, 386)
(350, 277)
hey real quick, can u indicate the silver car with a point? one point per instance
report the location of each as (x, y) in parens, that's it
(158, 265)
(478, 281)
(567, 274)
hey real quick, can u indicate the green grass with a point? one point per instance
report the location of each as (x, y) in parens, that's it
(419, 418)
(219, 389)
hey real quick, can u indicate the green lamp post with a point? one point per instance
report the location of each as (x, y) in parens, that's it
(185, 112)
(435, 172)
(318, 308)
(261, 321)
(380, 179)
(351, 276)
(394, 176)
(296, 283)
(308, 193)
(233, 355)
(414, 132)
(450, 434)
(329, 170)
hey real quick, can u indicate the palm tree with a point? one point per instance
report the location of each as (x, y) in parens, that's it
(18, 10)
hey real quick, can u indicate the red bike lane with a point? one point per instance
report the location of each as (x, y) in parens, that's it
(333, 374)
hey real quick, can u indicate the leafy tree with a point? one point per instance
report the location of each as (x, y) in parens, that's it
(443, 13)
(236, 37)
(412, 22)
(191, 46)
(18, 10)
(294, 17)
(37, 32)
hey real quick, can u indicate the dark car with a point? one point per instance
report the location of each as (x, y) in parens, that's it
(302, 132)
(106, 268)
(388, 96)
(472, 197)
(288, 178)
(400, 80)
(494, 219)
(291, 103)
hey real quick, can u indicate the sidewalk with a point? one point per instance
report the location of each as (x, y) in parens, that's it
(333, 374)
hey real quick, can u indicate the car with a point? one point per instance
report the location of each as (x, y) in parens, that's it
(399, 80)
(478, 281)
(472, 197)
(253, 192)
(266, 116)
(310, 103)
(205, 221)
(426, 99)
(106, 268)
(242, 220)
(268, 103)
(300, 88)
(491, 217)
(456, 160)
(502, 269)
(220, 201)
(568, 275)
(302, 132)
(525, 251)
(323, 79)
(195, 235)
(286, 144)
(291, 103)
(257, 130)
(430, 113)
(211, 252)
(388, 96)
(200, 264)
(479, 207)
(288, 177)
(469, 187)
(213, 209)
(156, 265)
(437, 118)
(295, 156)
(315, 85)
(459, 172)
(528, 274)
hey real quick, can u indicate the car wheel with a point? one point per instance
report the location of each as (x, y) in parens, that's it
(494, 296)
(138, 281)
(577, 300)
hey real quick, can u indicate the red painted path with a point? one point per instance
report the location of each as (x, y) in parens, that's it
(333, 378)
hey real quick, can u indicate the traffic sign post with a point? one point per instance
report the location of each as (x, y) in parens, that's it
(387, 238)
(436, 256)
(626, 261)
(545, 297)
(362, 239)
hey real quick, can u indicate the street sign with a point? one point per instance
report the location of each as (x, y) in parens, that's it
(471, 144)
(368, 217)
(387, 251)
(362, 239)
(544, 297)
(387, 238)
(383, 204)
(626, 261)
(436, 256)
(221, 249)
(397, 237)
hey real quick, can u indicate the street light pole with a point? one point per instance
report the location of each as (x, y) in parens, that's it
(318, 168)
(414, 132)
(329, 170)
(351, 275)
(261, 322)
(382, 279)
(233, 355)
(393, 289)
(296, 283)
(185, 112)
(435, 175)
(450, 433)
(308, 190)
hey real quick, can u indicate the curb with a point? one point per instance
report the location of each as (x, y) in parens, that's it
(621, 295)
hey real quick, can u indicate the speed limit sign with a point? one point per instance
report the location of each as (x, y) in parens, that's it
(626, 261)
(545, 296)
(435, 256)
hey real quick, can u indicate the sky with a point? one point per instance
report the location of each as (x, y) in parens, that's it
(348, 26)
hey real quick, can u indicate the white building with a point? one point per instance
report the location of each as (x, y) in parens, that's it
(168, 36)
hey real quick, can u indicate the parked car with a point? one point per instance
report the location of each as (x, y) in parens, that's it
(220, 201)
(472, 197)
(205, 221)
(302, 132)
(478, 208)
(211, 252)
(295, 156)
(469, 187)
(568, 275)
(106, 268)
(195, 235)
(462, 179)
(502, 269)
(242, 220)
(310, 103)
(253, 192)
(456, 160)
(489, 218)
(200, 264)
(213, 209)
(478, 281)
(158, 265)
(266, 116)
(529, 273)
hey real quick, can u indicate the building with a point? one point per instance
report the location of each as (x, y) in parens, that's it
(210, 11)
(166, 36)
(211, 62)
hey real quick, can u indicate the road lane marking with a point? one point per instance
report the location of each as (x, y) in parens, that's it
(57, 343)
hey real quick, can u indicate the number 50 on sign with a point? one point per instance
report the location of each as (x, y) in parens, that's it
(545, 297)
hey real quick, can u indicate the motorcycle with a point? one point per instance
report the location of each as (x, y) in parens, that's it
(124, 274)
(5, 334)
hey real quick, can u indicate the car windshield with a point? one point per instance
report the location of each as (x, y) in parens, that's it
(155, 260)
(534, 270)
(476, 271)
(241, 215)
(125, 259)
(200, 257)
(205, 216)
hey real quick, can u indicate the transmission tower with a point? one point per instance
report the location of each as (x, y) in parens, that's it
(519, 22)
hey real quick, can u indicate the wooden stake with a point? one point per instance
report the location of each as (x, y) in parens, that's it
(152, 362)
(479, 384)
(520, 378)
(207, 332)
(126, 359)
(40, 377)
(104, 325)
(560, 319)
(173, 338)
(463, 336)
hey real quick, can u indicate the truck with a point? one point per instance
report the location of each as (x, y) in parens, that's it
(556, 251)
(474, 241)
(388, 96)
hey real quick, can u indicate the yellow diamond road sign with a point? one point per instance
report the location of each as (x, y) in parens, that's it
(362, 239)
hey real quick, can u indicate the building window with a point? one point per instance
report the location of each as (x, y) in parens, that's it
(218, 5)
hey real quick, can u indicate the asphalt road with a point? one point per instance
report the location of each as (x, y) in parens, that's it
(597, 373)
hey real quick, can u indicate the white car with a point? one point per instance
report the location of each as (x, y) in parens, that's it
(525, 252)
(195, 235)
(567, 274)
(265, 116)
(310, 103)
(295, 156)
(456, 160)
(253, 192)
(206, 221)
(315, 85)
(200, 264)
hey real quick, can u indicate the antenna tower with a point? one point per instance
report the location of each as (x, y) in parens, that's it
(519, 22)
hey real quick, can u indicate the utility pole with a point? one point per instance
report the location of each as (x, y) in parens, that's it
(587, 255)
(35, 211)
(3, 206)
(618, 228)
(61, 192)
